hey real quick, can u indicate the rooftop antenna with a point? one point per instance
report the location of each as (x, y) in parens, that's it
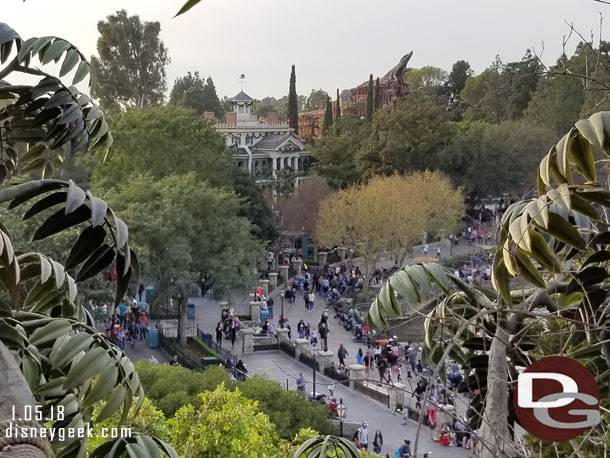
(242, 77)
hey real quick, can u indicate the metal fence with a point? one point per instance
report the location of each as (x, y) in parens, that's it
(173, 348)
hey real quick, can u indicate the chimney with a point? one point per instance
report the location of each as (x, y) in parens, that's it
(209, 116)
(232, 118)
(272, 117)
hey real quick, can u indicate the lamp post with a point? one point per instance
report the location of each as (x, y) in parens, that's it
(313, 355)
(282, 314)
(341, 408)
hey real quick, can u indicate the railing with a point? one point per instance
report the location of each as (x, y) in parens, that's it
(208, 339)
(183, 358)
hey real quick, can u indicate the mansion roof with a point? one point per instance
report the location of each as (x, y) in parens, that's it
(242, 97)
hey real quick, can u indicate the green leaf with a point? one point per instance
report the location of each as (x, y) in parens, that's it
(149, 445)
(73, 345)
(10, 336)
(564, 231)
(50, 332)
(88, 241)
(113, 403)
(187, 6)
(59, 221)
(527, 270)
(54, 51)
(26, 47)
(72, 58)
(81, 72)
(500, 278)
(419, 275)
(541, 252)
(40, 44)
(582, 155)
(403, 284)
(31, 371)
(45, 269)
(598, 256)
(100, 259)
(45, 203)
(121, 232)
(439, 274)
(103, 385)
(99, 208)
(75, 198)
(91, 364)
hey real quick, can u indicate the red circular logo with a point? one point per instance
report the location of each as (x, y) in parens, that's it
(557, 399)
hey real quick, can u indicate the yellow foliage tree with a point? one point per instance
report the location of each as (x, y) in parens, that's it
(389, 213)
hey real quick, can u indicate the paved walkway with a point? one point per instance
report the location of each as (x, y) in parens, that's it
(284, 369)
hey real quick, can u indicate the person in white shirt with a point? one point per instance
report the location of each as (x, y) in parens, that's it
(426, 249)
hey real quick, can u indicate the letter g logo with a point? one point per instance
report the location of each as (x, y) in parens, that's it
(557, 399)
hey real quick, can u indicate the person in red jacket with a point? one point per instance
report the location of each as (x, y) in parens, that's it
(142, 325)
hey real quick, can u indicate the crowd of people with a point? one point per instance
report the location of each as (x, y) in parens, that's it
(127, 324)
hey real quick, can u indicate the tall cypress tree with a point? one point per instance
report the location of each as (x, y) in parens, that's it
(328, 117)
(293, 104)
(338, 106)
(377, 95)
(369, 100)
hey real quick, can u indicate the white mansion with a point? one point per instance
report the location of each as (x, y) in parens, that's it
(263, 146)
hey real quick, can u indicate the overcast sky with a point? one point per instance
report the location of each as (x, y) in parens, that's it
(333, 43)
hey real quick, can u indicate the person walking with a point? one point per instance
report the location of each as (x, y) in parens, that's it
(363, 436)
(377, 442)
(359, 356)
(301, 383)
(342, 354)
(405, 450)
(438, 253)
(219, 334)
(233, 333)
(368, 362)
(426, 249)
(323, 331)
(312, 298)
(143, 325)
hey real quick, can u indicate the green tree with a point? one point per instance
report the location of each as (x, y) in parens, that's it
(335, 151)
(226, 424)
(377, 95)
(211, 102)
(288, 410)
(495, 335)
(147, 420)
(316, 100)
(479, 154)
(163, 141)
(254, 206)
(328, 117)
(182, 226)
(370, 102)
(188, 92)
(49, 349)
(408, 136)
(170, 387)
(457, 80)
(293, 103)
(428, 80)
(131, 63)
(338, 106)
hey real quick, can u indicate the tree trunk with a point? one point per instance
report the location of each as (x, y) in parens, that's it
(494, 434)
(182, 321)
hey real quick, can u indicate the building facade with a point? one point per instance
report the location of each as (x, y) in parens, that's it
(262, 146)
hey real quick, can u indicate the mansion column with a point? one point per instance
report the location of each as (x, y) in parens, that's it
(295, 162)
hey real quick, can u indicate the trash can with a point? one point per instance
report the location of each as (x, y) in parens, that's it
(152, 340)
(190, 311)
(149, 294)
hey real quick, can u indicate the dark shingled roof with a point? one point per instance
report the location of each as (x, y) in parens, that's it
(242, 97)
(272, 141)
